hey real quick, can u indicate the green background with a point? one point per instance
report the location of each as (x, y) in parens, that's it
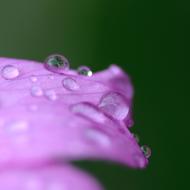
(148, 39)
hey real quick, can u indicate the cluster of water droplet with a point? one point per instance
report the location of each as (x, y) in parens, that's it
(112, 104)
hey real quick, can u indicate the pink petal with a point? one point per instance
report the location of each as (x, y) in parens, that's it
(45, 116)
(47, 178)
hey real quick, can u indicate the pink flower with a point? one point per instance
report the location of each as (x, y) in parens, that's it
(49, 112)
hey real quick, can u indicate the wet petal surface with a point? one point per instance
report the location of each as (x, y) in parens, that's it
(48, 115)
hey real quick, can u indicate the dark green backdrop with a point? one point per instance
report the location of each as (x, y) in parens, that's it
(148, 39)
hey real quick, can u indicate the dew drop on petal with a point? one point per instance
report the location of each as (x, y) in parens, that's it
(98, 137)
(137, 138)
(115, 105)
(17, 126)
(146, 151)
(33, 78)
(83, 70)
(10, 72)
(33, 184)
(70, 84)
(89, 111)
(55, 186)
(51, 94)
(57, 63)
(36, 91)
(33, 107)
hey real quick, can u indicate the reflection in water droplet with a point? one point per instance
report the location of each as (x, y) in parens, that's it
(115, 105)
(70, 84)
(57, 63)
(33, 78)
(146, 151)
(10, 72)
(36, 91)
(51, 94)
(98, 137)
(89, 111)
(83, 70)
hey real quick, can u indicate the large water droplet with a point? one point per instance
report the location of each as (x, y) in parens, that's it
(51, 94)
(57, 63)
(36, 91)
(89, 111)
(146, 151)
(115, 105)
(83, 70)
(70, 84)
(10, 72)
(98, 137)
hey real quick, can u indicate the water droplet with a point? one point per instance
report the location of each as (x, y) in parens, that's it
(98, 137)
(10, 72)
(51, 94)
(146, 151)
(17, 126)
(36, 91)
(57, 63)
(33, 107)
(89, 111)
(33, 184)
(70, 84)
(83, 70)
(137, 138)
(115, 105)
(55, 186)
(33, 78)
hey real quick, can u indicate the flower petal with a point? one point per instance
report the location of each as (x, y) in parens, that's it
(47, 178)
(45, 116)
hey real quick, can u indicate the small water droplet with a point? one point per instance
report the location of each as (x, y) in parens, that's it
(98, 137)
(89, 111)
(51, 94)
(17, 126)
(33, 78)
(10, 72)
(83, 70)
(36, 91)
(146, 151)
(33, 107)
(57, 63)
(115, 105)
(137, 138)
(70, 84)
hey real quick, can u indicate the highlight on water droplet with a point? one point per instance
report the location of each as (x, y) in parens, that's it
(146, 151)
(57, 63)
(33, 78)
(70, 84)
(115, 105)
(36, 91)
(86, 71)
(10, 72)
(51, 94)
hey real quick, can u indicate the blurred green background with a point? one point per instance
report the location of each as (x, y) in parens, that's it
(148, 39)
